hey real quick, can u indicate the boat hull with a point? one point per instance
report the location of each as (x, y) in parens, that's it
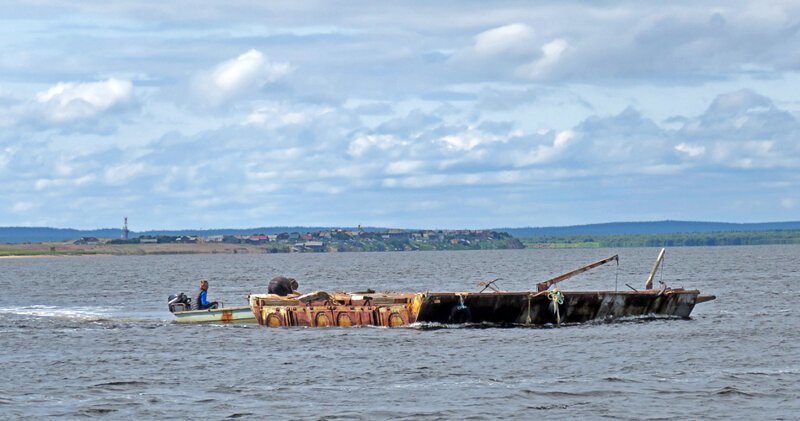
(498, 308)
(220, 315)
(539, 308)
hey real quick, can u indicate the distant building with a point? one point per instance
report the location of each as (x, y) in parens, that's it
(308, 246)
(314, 245)
(88, 241)
(257, 239)
(185, 239)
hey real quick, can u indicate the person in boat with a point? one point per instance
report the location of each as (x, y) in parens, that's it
(283, 286)
(200, 301)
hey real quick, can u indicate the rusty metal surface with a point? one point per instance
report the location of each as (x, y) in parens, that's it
(338, 309)
(541, 286)
(500, 308)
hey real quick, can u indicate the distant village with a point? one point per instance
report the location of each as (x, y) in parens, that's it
(339, 240)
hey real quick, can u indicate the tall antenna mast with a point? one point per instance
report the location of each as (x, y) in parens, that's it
(125, 229)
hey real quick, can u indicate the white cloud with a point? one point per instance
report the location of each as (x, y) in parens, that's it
(516, 38)
(426, 181)
(545, 148)
(748, 154)
(403, 167)
(22, 207)
(563, 138)
(240, 76)
(742, 129)
(551, 54)
(5, 156)
(692, 151)
(470, 139)
(276, 116)
(70, 101)
(362, 144)
(123, 173)
(48, 183)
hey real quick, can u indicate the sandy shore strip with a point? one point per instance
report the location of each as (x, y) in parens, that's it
(26, 256)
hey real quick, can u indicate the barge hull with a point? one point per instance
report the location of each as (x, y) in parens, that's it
(537, 308)
(499, 308)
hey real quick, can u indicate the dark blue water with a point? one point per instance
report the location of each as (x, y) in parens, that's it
(91, 336)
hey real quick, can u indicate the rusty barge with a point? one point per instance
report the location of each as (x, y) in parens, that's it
(547, 305)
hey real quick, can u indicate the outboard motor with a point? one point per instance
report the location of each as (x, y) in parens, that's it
(179, 302)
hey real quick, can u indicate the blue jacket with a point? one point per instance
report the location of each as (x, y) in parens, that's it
(200, 301)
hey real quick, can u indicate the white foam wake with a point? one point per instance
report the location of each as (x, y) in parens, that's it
(80, 313)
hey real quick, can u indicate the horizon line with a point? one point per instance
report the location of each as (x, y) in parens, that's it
(409, 229)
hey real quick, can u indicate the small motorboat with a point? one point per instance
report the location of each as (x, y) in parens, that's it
(180, 307)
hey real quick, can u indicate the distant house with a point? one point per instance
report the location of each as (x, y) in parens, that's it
(314, 245)
(257, 239)
(231, 239)
(185, 239)
(215, 238)
(88, 241)
(308, 246)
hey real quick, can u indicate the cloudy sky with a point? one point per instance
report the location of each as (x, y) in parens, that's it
(190, 114)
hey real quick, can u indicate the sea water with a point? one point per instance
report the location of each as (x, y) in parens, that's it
(92, 336)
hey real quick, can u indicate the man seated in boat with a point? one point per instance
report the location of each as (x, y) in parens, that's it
(200, 301)
(282, 286)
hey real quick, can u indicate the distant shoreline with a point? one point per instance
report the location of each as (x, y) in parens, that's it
(35, 256)
(69, 249)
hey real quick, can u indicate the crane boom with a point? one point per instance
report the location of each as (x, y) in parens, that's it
(542, 286)
(648, 284)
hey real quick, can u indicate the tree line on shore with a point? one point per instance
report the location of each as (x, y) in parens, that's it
(727, 238)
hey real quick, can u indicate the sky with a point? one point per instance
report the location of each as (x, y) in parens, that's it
(448, 114)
